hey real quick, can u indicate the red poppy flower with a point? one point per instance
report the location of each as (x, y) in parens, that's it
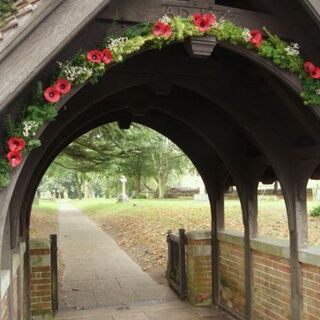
(256, 38)
(315, 74)
(51, 94)
(63, 86)
(162, 29)
(167, 30)
(309, 66)
(107, 56)
(203, 22)
(158, 28)
(95, 56)
(211, 18)
(196, 18)
(203, 25)
(16, 144)
(14, 158)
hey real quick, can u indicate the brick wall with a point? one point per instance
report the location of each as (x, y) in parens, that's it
(232, 288)
(311, 291)
(199, 268)
(271, 292)
(40, 279)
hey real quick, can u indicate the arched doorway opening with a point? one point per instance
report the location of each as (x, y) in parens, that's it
(95, 272)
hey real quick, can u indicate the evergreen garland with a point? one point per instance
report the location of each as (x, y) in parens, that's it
(83, 68)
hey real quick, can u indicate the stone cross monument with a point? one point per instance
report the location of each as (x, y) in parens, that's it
(123, 196)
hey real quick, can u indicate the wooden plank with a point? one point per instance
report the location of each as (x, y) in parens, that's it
(182, 264)
(217, 224)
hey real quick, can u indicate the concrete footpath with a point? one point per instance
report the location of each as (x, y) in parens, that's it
(100, 280)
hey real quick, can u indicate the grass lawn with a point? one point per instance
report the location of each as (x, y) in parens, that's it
(44, 219)
(172, 214)
(140, 226)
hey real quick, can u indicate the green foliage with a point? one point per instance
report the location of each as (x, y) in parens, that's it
(315, 212)
(139, 30)
(4, 173)
(7, 8)
(46, 113)
(13, 129)
(100, 156)
(276, 50)
(229, 32)
(310, 86)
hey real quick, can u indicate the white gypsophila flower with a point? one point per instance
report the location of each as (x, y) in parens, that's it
(116, 43)
(75, 72)
(165, 19)
(220, 23)
(28, 127)
(293, 49)
(246, 35)
(318, 92)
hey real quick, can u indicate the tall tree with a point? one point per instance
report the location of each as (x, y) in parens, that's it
(96, 160)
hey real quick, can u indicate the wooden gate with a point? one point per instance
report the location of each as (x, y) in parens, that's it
(176, 268)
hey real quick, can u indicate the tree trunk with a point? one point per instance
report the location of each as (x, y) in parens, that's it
(138, 183)
(78, 186)
(161, 187)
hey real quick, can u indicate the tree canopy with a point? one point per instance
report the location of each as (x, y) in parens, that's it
(91, 165)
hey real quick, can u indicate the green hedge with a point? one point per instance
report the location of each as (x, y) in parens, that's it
(315, 212)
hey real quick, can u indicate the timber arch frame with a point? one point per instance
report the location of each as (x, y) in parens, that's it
(233, 134)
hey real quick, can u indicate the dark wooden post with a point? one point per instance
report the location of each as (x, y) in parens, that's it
(54, 272)
(244, 199)
(248, 195)
(169, 255)
(217, 224)
(182, 264)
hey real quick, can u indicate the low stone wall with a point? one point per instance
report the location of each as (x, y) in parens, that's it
(40, 279)
(271, 275)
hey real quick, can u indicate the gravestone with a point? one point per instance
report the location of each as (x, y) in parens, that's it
(123, 196)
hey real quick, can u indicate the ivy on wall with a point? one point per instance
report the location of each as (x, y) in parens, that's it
(90, 66)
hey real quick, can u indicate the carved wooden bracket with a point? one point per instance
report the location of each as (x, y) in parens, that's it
(201, 47)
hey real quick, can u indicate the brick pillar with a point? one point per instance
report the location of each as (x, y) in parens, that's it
(40, 280)
(199, 268)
